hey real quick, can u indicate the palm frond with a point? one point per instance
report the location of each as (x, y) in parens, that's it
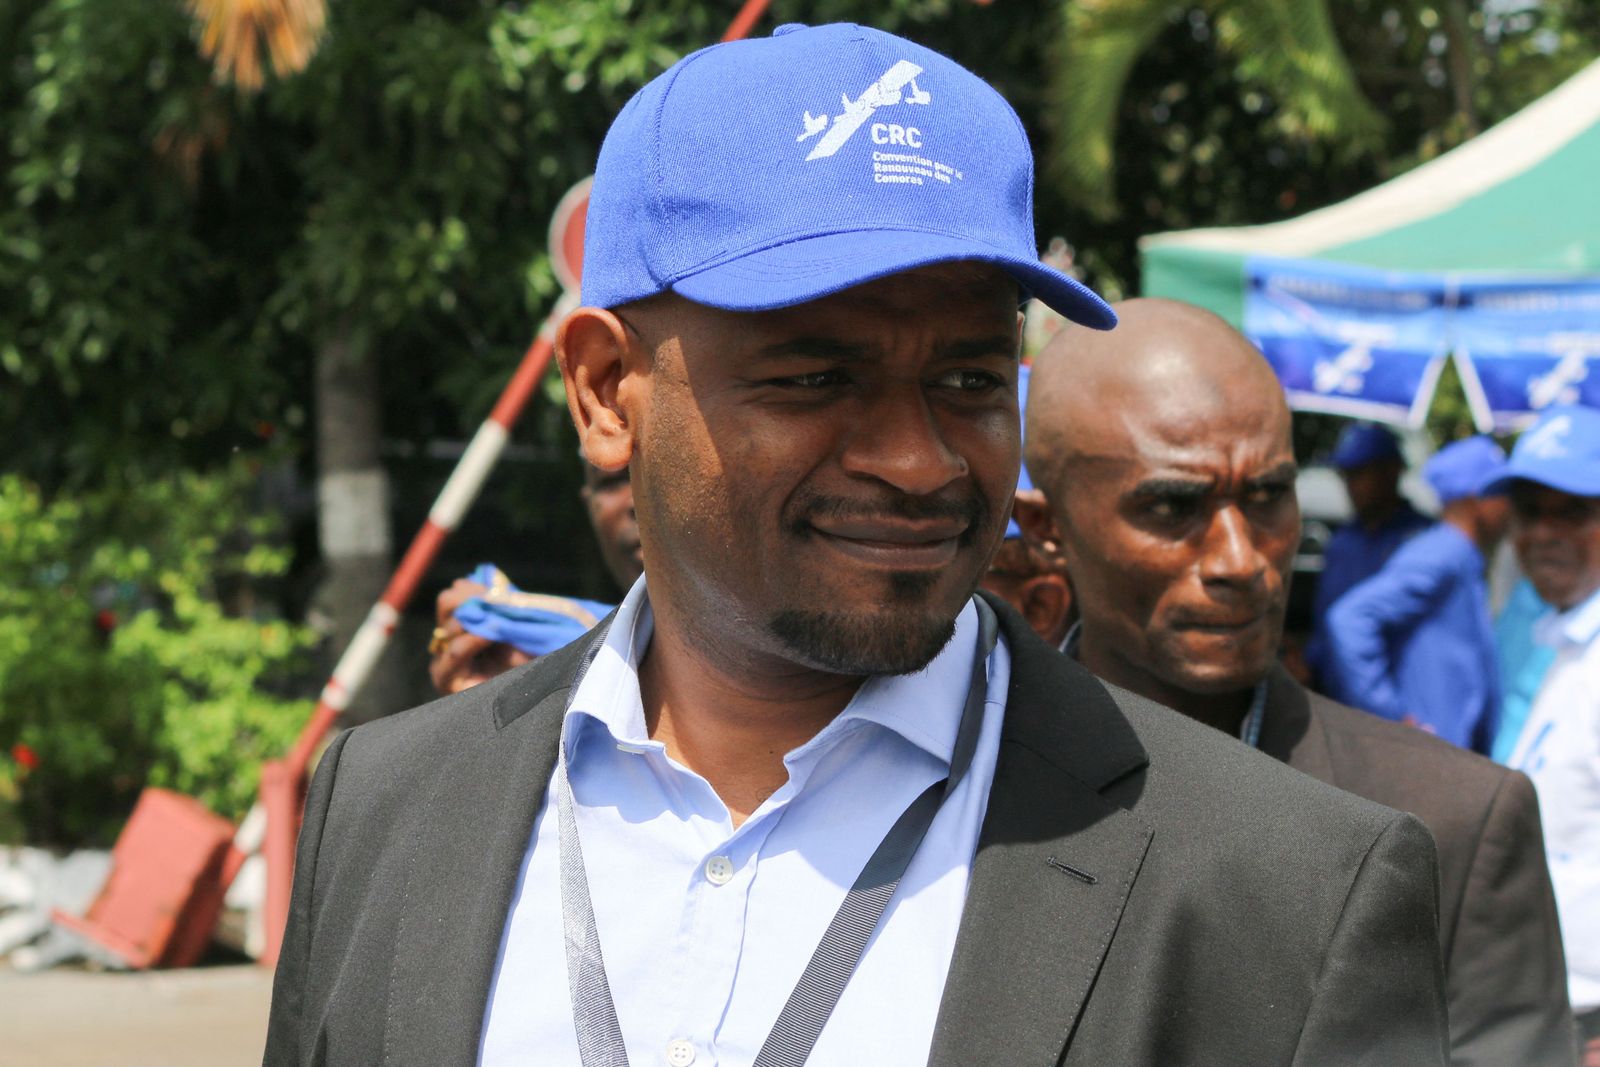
(1098, 45)
(1289, 48)
(234, 32)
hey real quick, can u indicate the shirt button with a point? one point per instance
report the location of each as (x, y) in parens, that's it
(680, 1053)
(719, 871)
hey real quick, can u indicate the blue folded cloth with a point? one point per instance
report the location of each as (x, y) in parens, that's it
(536, 623)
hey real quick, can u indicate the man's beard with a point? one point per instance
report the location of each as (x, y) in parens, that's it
(906, 632)
(896, 640)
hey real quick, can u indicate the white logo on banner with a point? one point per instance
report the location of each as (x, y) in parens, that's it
(1548, 441)
(1560, 385)
(901, 162)
(1347, 372)
(1344, 373)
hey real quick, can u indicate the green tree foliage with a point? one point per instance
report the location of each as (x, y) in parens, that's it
(1207, 132)
(1287, 47)
(131, 653)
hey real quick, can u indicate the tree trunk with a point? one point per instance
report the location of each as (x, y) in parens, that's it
(1462, 55)
(353, 510)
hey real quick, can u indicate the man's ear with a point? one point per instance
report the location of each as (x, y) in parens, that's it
(1038, 524)
(1046, 602)
(592, 348)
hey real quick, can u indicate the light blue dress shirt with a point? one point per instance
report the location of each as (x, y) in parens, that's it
(1559, 750)
(1523, 663)
(705, 928)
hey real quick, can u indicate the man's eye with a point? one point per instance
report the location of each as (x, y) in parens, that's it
(1174, 508)
(970, 381)
(821, 379)
(1266, 495)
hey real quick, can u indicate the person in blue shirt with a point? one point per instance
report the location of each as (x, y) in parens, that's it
(1368, 459)
(1523, 663)
(1414, 643)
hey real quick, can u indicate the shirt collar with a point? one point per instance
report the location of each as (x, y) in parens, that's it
(1578, 625)
(923, 707)
(1249, 728)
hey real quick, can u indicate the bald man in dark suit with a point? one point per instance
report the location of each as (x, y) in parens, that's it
(1166, 476)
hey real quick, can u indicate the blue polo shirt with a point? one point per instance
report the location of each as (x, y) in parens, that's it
(1354, 554)
(1415, 640)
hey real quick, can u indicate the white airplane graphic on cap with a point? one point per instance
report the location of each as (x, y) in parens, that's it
(1548, 441)
(881, 93)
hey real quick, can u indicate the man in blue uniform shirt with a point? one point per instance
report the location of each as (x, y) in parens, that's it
(1368, 460)
(1414, 642)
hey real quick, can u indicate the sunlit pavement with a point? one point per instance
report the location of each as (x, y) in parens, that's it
(202, 1017)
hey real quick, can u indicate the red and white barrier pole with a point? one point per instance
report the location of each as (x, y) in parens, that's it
(283, 781)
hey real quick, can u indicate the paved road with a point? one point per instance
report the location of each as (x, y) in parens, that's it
(204, 1017)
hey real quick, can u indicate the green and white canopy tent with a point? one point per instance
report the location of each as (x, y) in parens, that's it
(1490, 253)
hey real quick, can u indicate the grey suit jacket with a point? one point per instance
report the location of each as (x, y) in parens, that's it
(1505, 976)
(1234, 912)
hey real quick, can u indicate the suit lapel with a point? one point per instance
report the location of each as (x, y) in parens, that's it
(1055, 863)
(466, 859)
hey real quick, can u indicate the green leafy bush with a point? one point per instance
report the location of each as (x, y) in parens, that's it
(130, 654)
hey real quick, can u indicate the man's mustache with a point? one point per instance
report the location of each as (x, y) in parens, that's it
(971, 509)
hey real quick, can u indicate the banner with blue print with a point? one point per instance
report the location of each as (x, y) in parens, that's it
(1526, 344)
(1349, 340)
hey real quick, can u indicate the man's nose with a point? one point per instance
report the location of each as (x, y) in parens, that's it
(1229, 554)
(897, 440)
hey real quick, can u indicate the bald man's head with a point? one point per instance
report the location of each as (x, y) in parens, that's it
(1167, 364)
(1163, 451)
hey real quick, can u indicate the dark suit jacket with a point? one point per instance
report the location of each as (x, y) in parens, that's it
(1505, 975)
(1236, 912)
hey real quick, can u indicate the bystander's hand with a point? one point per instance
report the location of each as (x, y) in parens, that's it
(1591, 1053)
(458, 659)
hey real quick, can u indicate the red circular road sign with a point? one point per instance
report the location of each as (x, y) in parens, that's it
(566, 235)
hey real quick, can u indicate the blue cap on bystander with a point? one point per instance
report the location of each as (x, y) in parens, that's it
(536, 623)
(1561, 450)
(1464, 469)
(1363, 443)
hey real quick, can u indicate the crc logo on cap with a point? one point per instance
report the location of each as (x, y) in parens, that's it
(1548, 441)
(897, 87)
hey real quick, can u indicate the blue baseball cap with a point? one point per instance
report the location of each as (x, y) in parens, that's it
(536, 623)
(765, 173)
(1464, 469)
(1561, 450)
(1363, 443)
(1013, 531)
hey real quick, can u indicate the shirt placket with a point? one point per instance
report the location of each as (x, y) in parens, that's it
(712, 929)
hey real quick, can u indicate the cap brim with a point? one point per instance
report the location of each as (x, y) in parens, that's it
(1579, 479)
(815, 267)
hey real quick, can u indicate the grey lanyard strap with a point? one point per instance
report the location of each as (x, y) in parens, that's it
(822, 984)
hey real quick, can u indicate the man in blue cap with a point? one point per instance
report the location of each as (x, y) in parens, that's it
(1415, 643)
(1554, 481)
(1368, 459)
(803, 797)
